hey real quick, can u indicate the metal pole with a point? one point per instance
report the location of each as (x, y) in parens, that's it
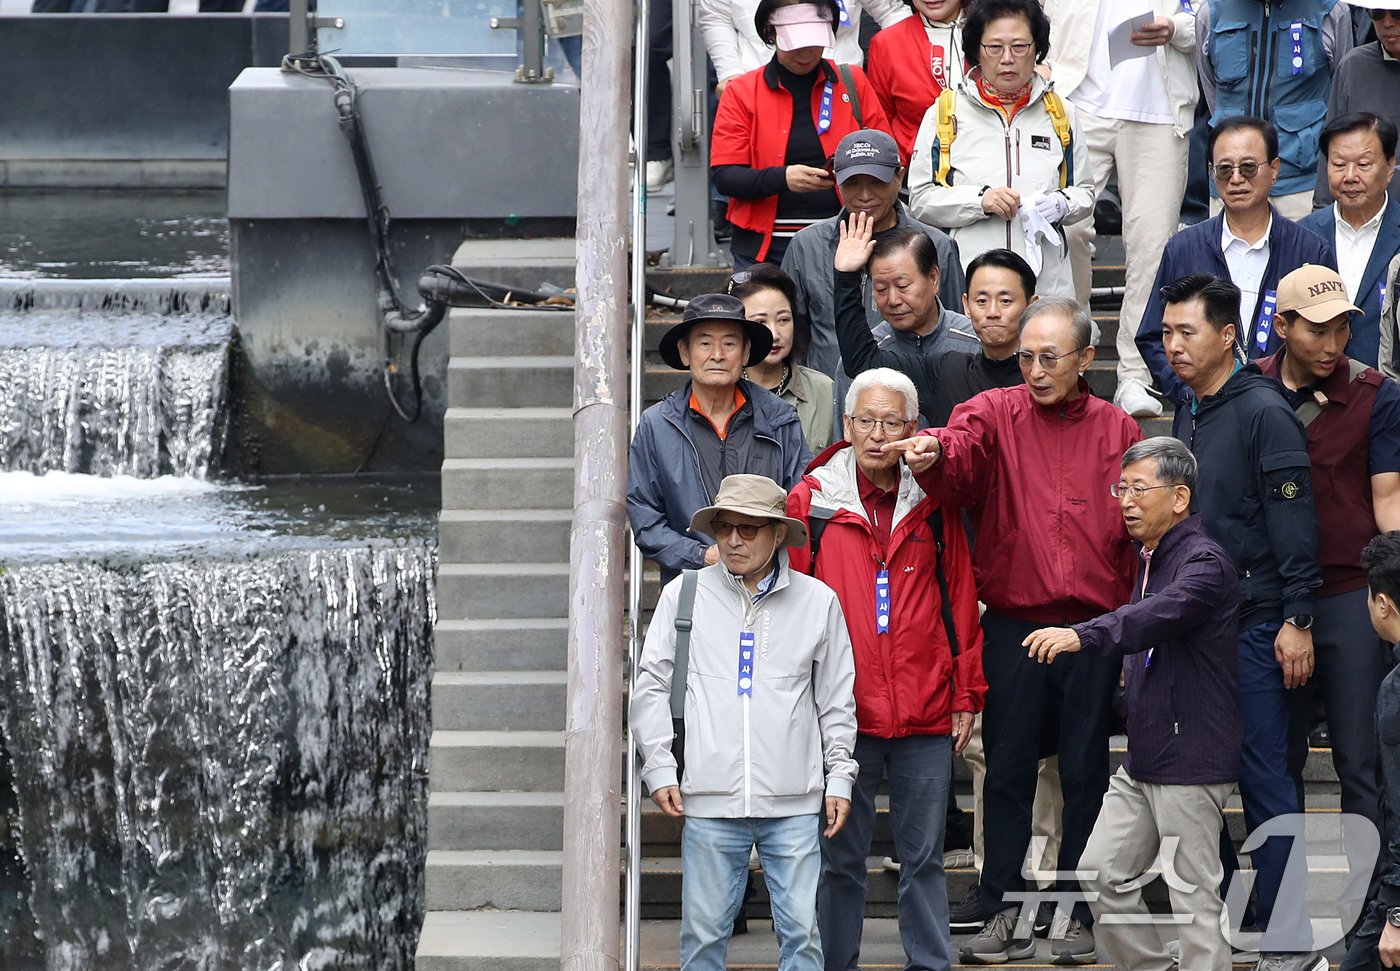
(632, 909)
(593, 726)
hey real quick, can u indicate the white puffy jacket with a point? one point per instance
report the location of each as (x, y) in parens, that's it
(1025, 155)
(734, 45)
(771, 753)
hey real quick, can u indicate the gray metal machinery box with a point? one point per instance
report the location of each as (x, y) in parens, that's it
(459, 154)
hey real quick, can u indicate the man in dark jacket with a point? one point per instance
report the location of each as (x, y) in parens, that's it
(1256, 500)
(1180, 670)
(1249, 243)
(716, 425)
(1378, 939)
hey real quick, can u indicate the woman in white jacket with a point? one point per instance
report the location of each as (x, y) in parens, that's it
(735, 47)
(1010, 180)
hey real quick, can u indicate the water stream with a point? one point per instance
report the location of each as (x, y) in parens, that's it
(213, 694)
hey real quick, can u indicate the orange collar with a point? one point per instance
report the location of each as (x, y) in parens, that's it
(994, 98)
(722, 433)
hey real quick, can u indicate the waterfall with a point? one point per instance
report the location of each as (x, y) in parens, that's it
(218, 764)
(113, 379)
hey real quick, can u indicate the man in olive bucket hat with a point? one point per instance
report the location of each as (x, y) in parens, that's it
(715, 425)
(765, 678)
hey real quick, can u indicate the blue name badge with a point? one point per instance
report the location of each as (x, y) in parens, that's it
(882, 602)
(1186, 6)
(824, 122)
(1265, 323)
(746, 663)
(1380, 298)
(1295, 55)
(845, 17)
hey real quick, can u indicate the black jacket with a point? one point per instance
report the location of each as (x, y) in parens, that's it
(1184, 725)
(1388, 749)
(1255, 493)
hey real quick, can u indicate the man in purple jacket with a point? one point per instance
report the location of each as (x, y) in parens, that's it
(1179, 644)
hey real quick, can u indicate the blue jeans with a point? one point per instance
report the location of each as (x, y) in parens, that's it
(920, 770)
(714, 865)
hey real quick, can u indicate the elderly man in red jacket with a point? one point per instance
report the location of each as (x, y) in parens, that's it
(1033, 465)
(905, 584)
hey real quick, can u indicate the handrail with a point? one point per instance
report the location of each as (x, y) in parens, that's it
(694, 243)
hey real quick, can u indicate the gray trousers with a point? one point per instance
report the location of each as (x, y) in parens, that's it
(1135, 820)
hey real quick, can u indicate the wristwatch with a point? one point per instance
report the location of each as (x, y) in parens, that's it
(1392, 916)
(1302, 622)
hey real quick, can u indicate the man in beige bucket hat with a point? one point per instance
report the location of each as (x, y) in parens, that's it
(765, 682)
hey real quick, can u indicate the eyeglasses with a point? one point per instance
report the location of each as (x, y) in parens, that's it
(1224, 171)
(996, 50)
(738, 280)
(720, 528)
(867, 425)
(1118, 490)
(1046, 361)
(1382, 14)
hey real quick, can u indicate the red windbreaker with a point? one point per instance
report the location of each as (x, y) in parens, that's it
(752, 125)
(907, 682)
(899, 67)
(1050, 546)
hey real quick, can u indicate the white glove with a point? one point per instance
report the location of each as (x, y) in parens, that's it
(1052, 206)
(1036, 227)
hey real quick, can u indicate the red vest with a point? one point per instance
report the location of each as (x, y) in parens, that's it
(1339, 448)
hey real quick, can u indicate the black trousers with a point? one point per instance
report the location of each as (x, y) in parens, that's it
(1034, 710)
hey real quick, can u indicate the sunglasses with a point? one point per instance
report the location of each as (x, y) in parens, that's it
(1382, 14)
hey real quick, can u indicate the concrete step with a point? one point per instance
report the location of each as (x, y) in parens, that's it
(517, 644)
(508, 483)
(511, 382)
(527, 701)
(500, 879)
(477, 591)
(511, 332)
(512, 761)
(488, 940)
(490, 820)
(483, 536)
(508, 433)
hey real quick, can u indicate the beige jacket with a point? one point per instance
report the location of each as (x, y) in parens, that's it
(1072, 24)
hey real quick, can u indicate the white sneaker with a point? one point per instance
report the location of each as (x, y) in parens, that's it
(659, 173)
(1136, 400)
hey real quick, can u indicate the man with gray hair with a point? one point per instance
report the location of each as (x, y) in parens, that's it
(918, 658)
(1031, 466)
(1177, 641)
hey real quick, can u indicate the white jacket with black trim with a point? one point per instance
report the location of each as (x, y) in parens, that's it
(1025, 155)
(771, 753)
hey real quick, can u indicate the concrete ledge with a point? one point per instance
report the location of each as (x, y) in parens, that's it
(62, 173)
(489, 940)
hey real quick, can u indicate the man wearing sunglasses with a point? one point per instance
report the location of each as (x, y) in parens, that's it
(1250, 244)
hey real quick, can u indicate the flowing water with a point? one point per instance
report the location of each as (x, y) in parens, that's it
(213, 694)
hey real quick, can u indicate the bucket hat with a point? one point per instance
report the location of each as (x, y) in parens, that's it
(716, 306)
(751, 495)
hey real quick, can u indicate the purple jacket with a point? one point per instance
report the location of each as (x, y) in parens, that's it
(1184, 725)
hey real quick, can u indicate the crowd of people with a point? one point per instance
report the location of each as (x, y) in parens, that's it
(896, 526)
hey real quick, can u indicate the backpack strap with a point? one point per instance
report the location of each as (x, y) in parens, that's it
(1309, 410)
(850, 82)
(685, 613)
(945, 129)
(935, 525)
(1059, 118)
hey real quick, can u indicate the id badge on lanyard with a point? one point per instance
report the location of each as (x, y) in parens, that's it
(824, 119)
(1186, 7)
(746, 663)
(845, 17)
(1265, 323)
(1295, 54)
(882, 602)
(1380, 297)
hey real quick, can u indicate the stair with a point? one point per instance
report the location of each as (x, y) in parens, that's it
(496, 803)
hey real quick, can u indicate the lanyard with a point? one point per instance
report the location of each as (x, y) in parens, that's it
(824, 121)
(845, 17)
(1295, 37)
(1186, 6)
(746, 663)
(1265, 323)
(882, 602)
(1380, 291)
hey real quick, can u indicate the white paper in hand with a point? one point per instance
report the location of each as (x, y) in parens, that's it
(1120, 40)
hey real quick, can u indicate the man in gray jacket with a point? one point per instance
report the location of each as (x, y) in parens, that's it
(768, 687)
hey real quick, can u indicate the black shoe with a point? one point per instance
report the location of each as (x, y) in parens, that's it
(1321, 736)
(966, 916)
(1044, 916)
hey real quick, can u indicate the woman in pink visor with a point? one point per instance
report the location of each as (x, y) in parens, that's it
(779, 124)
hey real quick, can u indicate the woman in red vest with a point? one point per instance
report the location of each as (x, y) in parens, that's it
(910, 64)
(778, 125)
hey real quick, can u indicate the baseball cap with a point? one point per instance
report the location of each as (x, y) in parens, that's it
(801, 25)
(866, 152)
(1315, 293)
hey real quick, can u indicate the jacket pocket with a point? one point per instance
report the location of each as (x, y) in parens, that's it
(714, 746)
(787, 751)
(1298, 129)
(1229, 51)
(1309, 57)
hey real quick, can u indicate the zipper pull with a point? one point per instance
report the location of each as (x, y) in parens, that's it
(1176, 728)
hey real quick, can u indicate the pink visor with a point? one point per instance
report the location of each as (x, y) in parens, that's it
(801, 25)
